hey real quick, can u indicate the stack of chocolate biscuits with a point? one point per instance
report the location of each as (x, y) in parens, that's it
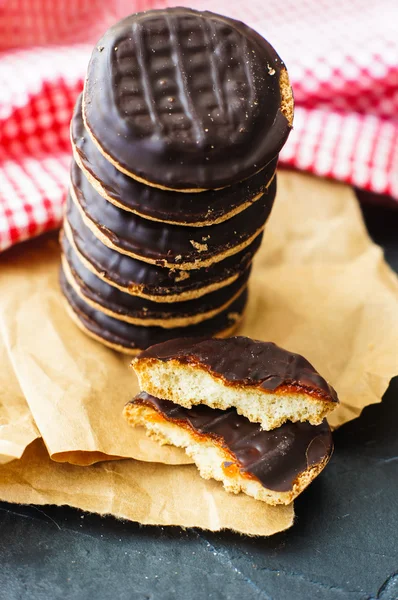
(249, 413)
(175, 142)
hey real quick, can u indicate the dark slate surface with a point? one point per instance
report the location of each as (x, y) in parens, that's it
(344, 544)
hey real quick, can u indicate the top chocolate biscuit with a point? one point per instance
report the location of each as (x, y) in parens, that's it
(187, 100)
(248, 362)
(208, 208)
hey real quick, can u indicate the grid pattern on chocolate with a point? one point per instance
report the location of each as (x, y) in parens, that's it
(159, 70)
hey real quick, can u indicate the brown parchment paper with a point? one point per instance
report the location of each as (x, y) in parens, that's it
(319, 287)
(17, 427)
(75, 389)
(150, 493)
(322, 288)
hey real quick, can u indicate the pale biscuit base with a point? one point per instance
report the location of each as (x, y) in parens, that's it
(183, 266)
(209, 457)
(188, 385)
(137, 290)
(165, 322)
(101, 189)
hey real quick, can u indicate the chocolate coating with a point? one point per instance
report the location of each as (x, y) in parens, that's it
(155, 281)
(162, 205)
(167, 244)
(186, 99)
(100, 292)
(275, 458)
(241, 360)
(133, 337)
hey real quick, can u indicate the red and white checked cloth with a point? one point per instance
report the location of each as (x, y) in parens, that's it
(342, 58)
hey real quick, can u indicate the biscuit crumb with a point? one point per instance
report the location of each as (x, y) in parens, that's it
(182, 275)
(199, 247)
(100, 48)
(271, 71)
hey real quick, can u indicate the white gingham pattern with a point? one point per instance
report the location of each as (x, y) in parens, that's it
(342, 59)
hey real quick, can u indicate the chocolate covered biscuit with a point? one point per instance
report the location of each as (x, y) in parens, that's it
(172, 246)
(197, 210)
(187, 100)
(264, 382)
(273, 466)
(139, 311)
(146, 280)
(132, 339)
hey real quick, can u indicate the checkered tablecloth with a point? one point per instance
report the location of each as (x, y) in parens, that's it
(342, 57)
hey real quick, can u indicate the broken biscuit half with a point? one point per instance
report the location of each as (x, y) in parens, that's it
(263, 382)
(272, 466)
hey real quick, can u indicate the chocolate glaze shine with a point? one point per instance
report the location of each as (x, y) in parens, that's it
(241, 360)
(155, 281)
(119, 302)
(164, 242)
(160, 204)
(139, 337)
(186, 99)
(275, 458)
